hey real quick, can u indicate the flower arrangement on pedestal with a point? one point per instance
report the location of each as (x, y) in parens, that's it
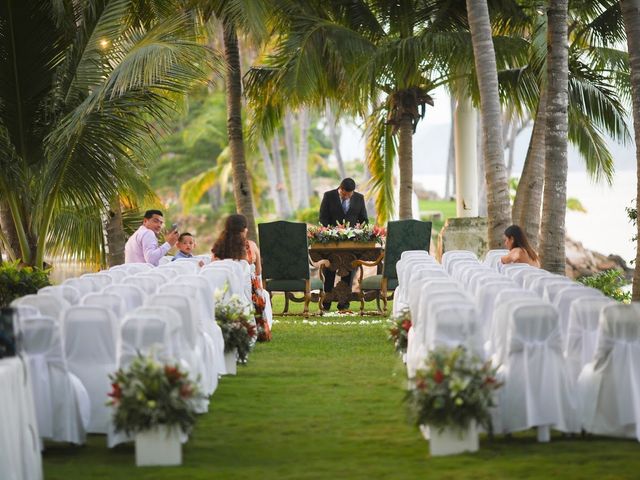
(238, 325)
(399, 330)
(147, 394)
(453, 390)
(341, 233)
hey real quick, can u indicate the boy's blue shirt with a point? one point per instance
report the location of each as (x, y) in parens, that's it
(180, 254)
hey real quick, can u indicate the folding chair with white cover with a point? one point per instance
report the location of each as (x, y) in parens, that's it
(553, 289)
(609, 386)
(132, 295)
(193, 352)
(25, 311)
(165, 260)
(566, 297)
(452, 324)
(184, 265)
(213, 360)
(530, 278)
(220, 279)
(210, 325)
(133, 268)
(456, 254)
(536, 391)
(401, 299)
(113, 302)
(492, 259)
(485, 298)
(69, 293)
(462, 271)
(147, 283)
(91, 344)
(83, 285)
(539, 284)
(146, 335)
(99, 280)
(62, 403)
(166, 274)
(116, 275)
(477, 278)
(521, 274)
(179, 345)
(582, 333)
(510, 269)
(459, 261)
(240, 276)
(47, 305)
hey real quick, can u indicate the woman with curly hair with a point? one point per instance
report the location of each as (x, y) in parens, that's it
(233, 244)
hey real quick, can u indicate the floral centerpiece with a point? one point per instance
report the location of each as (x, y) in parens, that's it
(238, 325)
(340, 233)
(148, 394)
(399, 330)
(453, 390)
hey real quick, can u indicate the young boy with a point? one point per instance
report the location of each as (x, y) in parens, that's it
(186, 243)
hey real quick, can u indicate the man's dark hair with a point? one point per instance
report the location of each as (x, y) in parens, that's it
(182, 235)
(348, 185)
(151, 213)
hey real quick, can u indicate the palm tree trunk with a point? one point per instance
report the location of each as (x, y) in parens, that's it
(241, 181)
(12, 246)
(498, 208)
(405, 163)
(292, 157)
(552, 229)
(115, 234)
(526, 205)
(281, 184)
(304, 120)
(334, 135)
(271, 176)
(631, 16)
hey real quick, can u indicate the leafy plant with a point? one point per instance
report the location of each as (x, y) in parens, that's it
(148, 394)
(609, 282)
(399, 330)
(341, 233)
(237, 323)
(17, 281)
(454, 389)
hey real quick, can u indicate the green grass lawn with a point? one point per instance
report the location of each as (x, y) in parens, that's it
(325, 402)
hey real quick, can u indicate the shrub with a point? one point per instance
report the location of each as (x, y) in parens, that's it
(17, 281)
(609, 282)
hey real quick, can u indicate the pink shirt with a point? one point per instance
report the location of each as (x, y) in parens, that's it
(142, 247)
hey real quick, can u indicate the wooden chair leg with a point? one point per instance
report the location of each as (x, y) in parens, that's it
(383, 294)
(286, 303)
(320, 299)
(307, 299)
(361, 303)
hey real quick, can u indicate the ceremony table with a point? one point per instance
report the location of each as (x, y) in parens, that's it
(20, 457)
(342, 257)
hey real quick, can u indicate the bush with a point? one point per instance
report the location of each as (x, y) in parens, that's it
(17, 281)
(609, 282)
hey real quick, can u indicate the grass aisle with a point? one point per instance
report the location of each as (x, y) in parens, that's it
(324, 402)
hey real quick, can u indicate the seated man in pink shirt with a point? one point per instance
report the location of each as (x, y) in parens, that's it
(142, 246)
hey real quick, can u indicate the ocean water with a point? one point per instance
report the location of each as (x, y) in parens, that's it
(605, 226)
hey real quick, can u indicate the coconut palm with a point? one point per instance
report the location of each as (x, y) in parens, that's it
(631, 15)
(83, 101)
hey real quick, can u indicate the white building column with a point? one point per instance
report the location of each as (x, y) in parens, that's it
(466, 159)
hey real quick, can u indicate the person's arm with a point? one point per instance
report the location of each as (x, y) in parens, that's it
(512, 257)
(150, 250)
(256, 255)
(325, 214)
(364, 218)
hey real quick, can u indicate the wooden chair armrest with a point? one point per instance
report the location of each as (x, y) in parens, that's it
(360, 263)
(320, 265)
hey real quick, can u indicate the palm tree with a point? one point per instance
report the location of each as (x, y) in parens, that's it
(631, 15)
(82, 102)
(552, 256)
(499, 216)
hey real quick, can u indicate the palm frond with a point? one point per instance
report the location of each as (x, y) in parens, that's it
(381, 157)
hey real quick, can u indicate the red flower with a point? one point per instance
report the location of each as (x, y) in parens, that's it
(172, 373)
(116, 393)
(406, 325)
(185, 391)
(490, 380)
(438, 377)
(421, 384)
(394, 331)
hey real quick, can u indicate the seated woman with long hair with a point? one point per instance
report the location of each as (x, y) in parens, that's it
(233, 244)
(520, 250)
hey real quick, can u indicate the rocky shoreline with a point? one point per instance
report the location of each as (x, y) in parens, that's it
(583, 262)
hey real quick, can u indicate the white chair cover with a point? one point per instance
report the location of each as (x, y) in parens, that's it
(113, 302)
(519, 275)
(536, 389)
(477, 278)
(582, 334)
(456, 254)
(609, 386)
(147, 283)
(485, 300)
(511, 269)
(99, 280)
(48, 305)
(132, 295)
(116, 275)
(165, 260)
(401, 294)
(179, 346)
(133, 268)
(83, 285)
(147, 335)
(62, 403)
(567, 296)
(531, 276)
(492, 258)
(552, 289)
(25, 311)
(452, 324)
(91, 345)
(539, 283)
(183, 265)
(67, 292)
(460, 262)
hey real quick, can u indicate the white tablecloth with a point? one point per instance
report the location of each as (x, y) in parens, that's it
(20, 457)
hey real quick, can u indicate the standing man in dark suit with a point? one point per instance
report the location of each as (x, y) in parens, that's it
(342, 205)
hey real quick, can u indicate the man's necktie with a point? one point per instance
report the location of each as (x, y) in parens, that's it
(345, 206)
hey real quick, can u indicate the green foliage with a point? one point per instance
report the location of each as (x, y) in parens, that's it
(147, 394)
(632, 213)
(609, 282)
(17, 281)
(454, 389)
(399, 330)
(308, 215)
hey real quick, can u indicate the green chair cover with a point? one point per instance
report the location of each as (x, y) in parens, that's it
(285, 261)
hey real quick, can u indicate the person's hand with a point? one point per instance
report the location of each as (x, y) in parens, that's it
(172, 237)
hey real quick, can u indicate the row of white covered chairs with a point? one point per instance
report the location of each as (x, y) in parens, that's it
(541, 329)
